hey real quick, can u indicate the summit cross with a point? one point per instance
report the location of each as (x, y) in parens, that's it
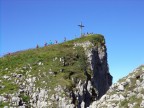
(81, 26)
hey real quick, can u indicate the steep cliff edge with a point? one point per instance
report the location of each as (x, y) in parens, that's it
(68, 75)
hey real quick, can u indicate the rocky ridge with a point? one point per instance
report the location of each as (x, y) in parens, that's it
(128, 92)
(68, 75)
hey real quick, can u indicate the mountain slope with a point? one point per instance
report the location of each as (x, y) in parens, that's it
(128, 92)
(66, 75)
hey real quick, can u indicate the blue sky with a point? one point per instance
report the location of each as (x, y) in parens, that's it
(26, 23)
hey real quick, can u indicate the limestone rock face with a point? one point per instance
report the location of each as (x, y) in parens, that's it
(101, 79)
(99, 82)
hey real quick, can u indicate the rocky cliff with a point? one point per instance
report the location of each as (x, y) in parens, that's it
(128, 92)
(68, 75)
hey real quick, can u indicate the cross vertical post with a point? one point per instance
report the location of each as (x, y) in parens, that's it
(81, 26)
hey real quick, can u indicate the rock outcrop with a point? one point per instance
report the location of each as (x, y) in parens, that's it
(69, 75)
(128, 92)
(99, 82)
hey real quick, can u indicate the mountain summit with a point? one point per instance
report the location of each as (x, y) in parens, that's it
(72, 74)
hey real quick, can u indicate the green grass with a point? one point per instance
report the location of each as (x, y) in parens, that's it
(95, 38)
(2, 104)
(131, 100)
(9, 87)
(25, 97)
(35, 55)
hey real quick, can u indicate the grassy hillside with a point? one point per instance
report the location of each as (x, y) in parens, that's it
(53, 64)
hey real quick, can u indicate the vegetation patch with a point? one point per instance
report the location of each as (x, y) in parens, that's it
(2, 104)
(52, 65)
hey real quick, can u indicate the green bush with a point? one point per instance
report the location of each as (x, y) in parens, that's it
(25, 98)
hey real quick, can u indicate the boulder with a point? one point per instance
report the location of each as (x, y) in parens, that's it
(120, 88)
(138, 82)
(142, 104)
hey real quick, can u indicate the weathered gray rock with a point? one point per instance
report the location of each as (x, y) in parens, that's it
(138, 82)
(142, 104)
(1, 98)
(5, 77)
(121, 97)
(121, 87)
(131, 94)
(128, 80)
(42, 104)
(83, 104)
(15, 100)
(115, 97)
